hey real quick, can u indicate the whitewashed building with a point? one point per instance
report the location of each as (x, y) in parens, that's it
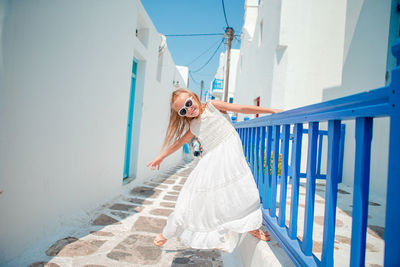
(72, 73)
(217, 87)
(184, 73)
(297, 54)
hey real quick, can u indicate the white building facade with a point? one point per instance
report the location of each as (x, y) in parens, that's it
(217, 86)
(297, 54)
(72, 73)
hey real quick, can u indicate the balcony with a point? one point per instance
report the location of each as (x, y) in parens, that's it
(320, 222)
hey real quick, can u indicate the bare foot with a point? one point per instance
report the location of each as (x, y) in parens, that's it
(260, 234)
(160, 240)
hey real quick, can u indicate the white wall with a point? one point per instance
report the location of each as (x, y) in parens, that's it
(364, 67)
(3, 10)
(155, 94)
(221, 73)
(184, 73)
(64, 100)
(254, 72)
(310, 52)
(296, 54)
(233, 62)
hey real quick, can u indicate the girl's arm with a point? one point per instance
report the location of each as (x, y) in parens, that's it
(247, 109)
(178, 144)
(171, 149)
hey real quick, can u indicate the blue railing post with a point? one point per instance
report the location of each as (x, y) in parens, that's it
(257, 162)
(392, 219)
(275, 163)
(341, 152)
(252, 145)
(319, 155)
(334, 131)
(267, 185)
(361, 190)
(284, 173)
(310, 188)
(246, 142)
(296, 157)
(249, 145)
(261, 174)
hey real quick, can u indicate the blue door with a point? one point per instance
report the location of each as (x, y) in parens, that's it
(130, 118)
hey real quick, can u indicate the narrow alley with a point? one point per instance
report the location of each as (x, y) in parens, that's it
(122, 231)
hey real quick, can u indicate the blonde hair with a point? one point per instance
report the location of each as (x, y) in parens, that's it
(177, 124)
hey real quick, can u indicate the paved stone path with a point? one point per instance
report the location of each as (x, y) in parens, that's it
(375, 229)
(122, 233)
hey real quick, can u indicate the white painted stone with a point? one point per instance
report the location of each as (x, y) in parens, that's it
(65, 79)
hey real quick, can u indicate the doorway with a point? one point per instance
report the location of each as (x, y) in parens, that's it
(130, 119)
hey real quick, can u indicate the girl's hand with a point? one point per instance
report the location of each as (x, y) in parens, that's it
(278, 110)
(155, 162)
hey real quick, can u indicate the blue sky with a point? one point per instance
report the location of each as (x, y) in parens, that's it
(202, 16)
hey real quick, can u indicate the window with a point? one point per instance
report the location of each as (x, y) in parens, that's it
(142, 31)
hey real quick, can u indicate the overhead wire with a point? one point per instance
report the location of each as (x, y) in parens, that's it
(208, 49)
(208, 61)
(194, 80)
(204, 34)
(193, 34)
(226, 20)
(205, 64)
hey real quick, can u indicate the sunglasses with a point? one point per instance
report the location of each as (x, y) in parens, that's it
(188, 103)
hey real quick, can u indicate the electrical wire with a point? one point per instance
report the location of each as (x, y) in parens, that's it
(208, 61)
(208, 49)
(226, 20)
(192, 34)
(205, 74)
(193, 79)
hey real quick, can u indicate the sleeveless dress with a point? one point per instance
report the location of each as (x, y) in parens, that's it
(219, 199)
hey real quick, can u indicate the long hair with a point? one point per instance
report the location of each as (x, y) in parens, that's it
(177, 124)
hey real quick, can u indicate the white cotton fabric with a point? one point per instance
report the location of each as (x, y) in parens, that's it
(220, 198)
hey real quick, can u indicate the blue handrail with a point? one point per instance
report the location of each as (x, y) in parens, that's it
(258, 135)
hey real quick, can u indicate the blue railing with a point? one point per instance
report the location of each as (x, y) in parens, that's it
(258, 134)
(321, 134)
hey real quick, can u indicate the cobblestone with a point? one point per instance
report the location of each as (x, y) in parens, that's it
(122, 232)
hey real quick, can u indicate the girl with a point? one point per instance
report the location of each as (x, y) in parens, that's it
(219, 199)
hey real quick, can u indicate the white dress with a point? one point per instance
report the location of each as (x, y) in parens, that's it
(219, 199)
